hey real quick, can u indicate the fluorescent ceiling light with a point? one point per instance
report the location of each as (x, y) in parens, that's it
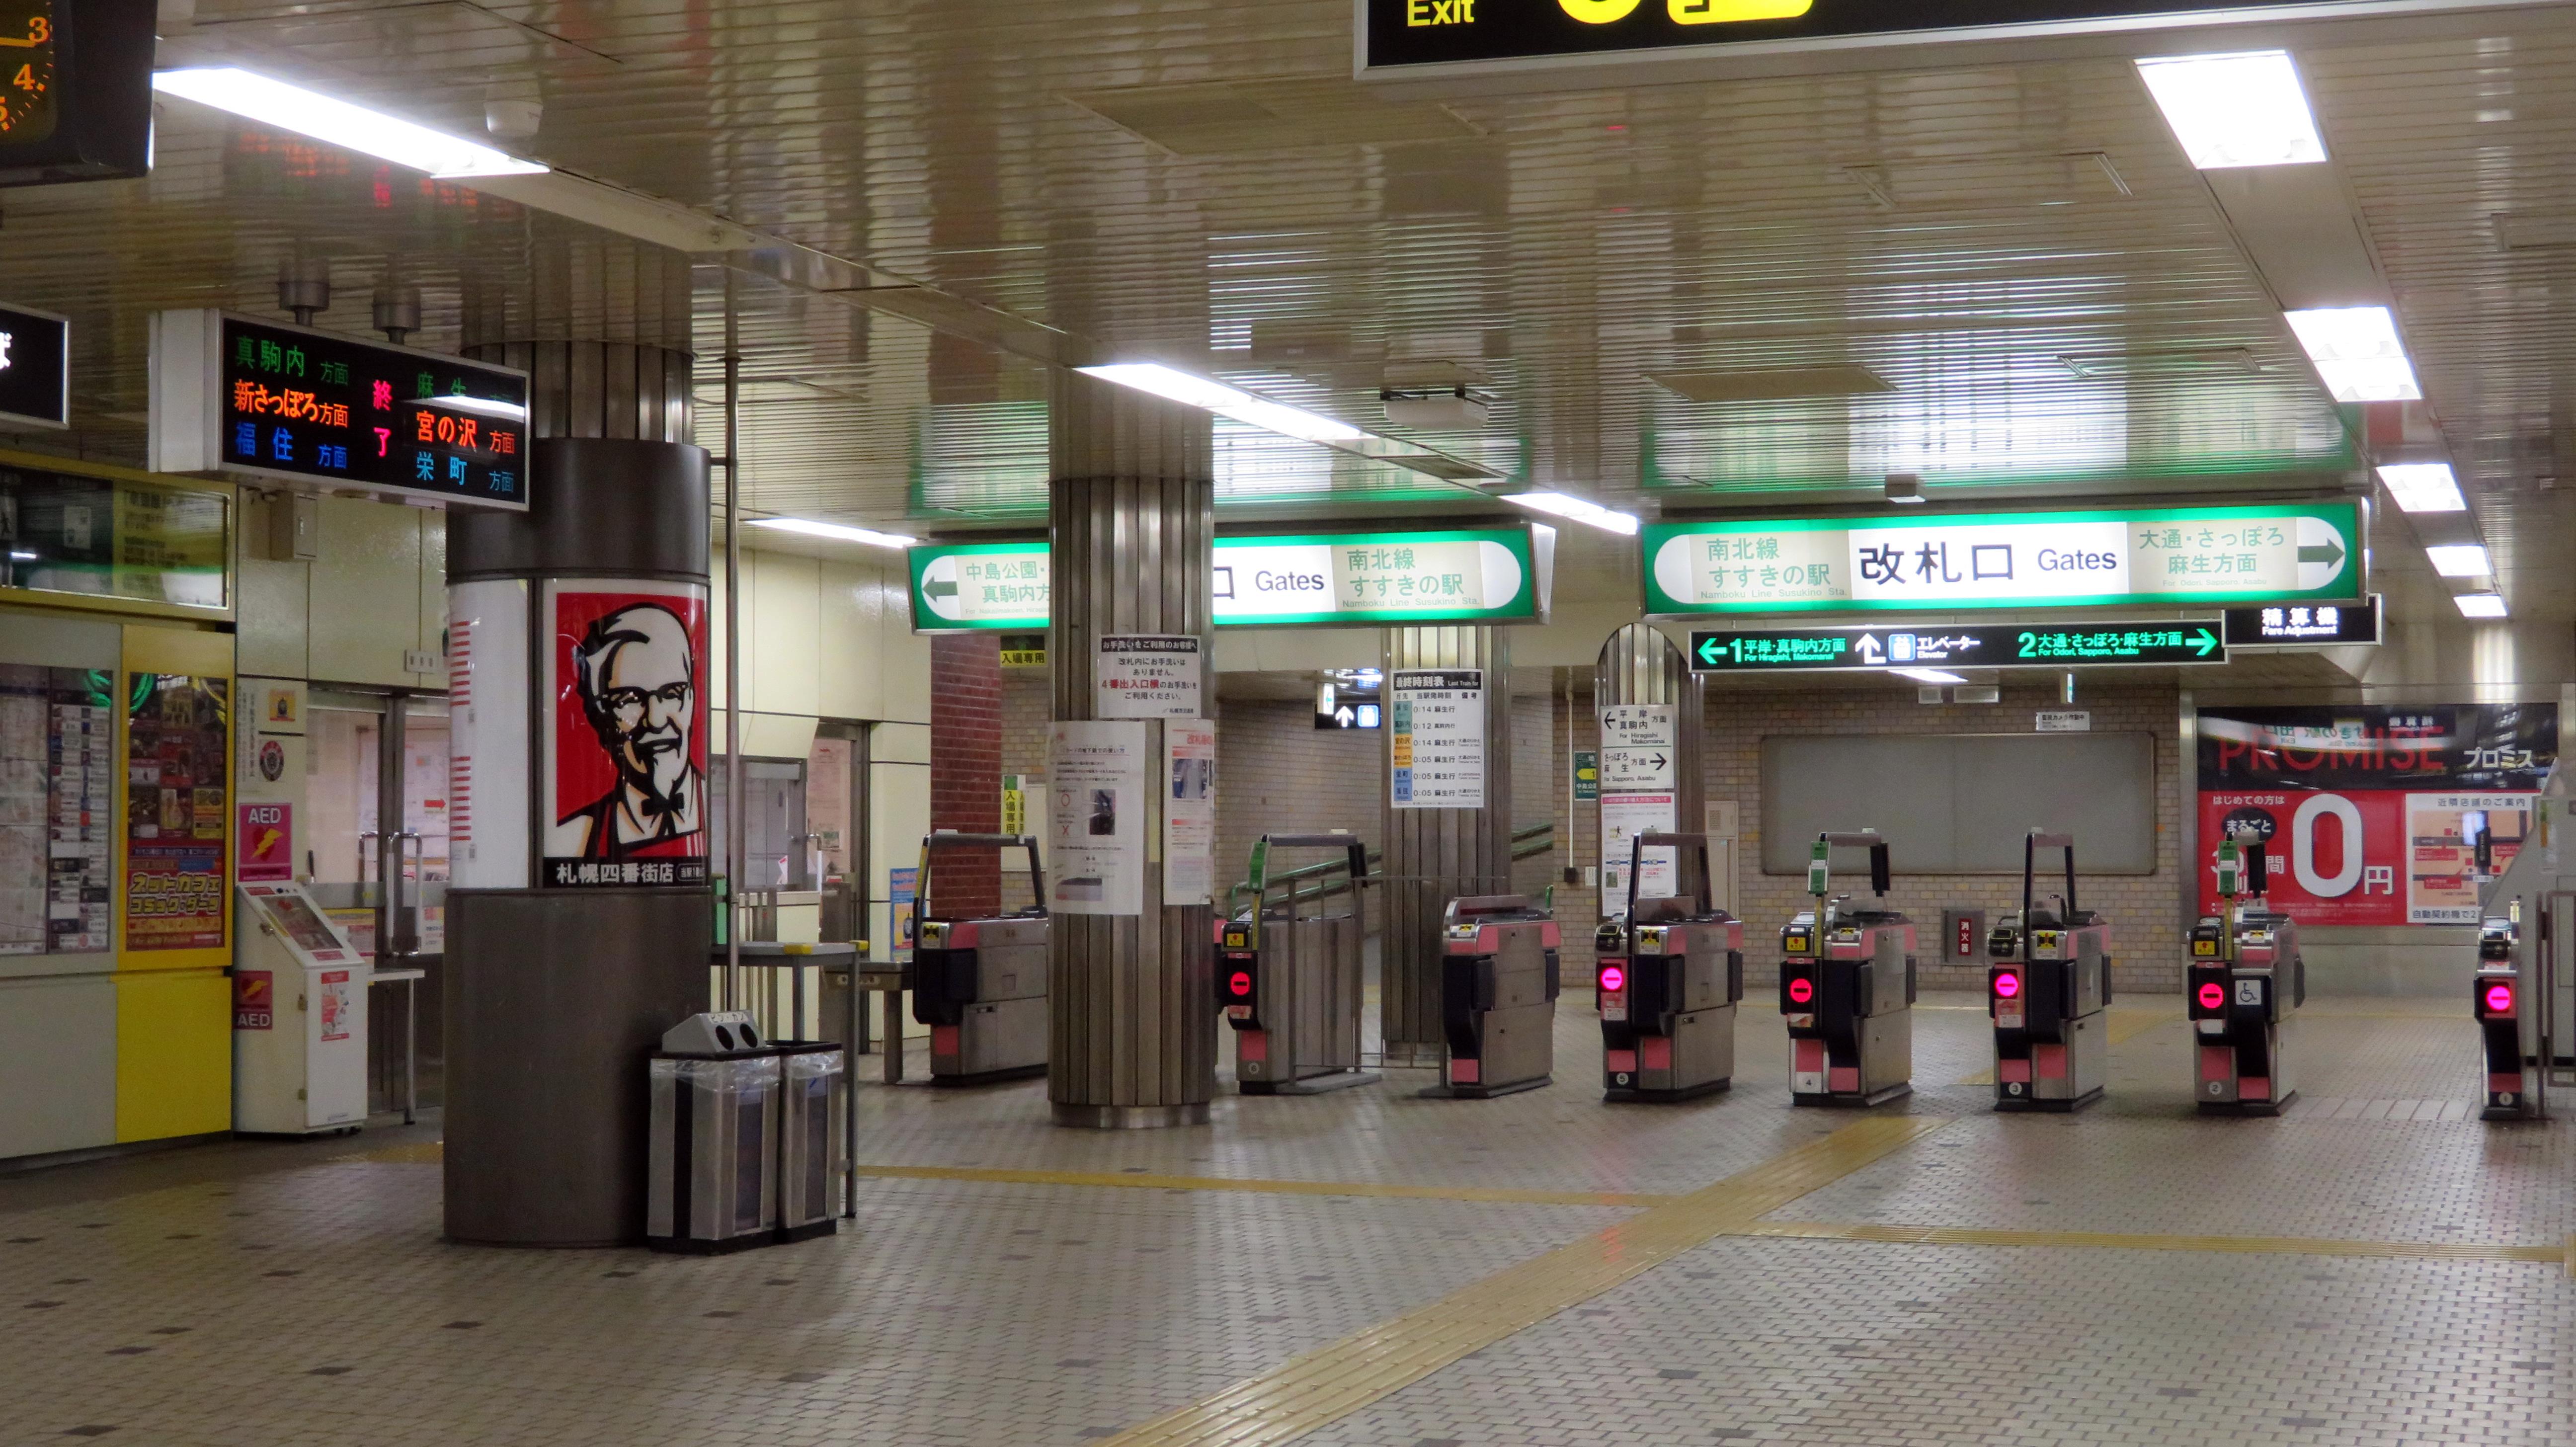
(1927, 675)
(284, 107)
(839, 532)
(2236, 110)
(2423, 487)
(2357, 352)
(1575, 509)
(2459, 560)
(2480, 605)
(1227, 401)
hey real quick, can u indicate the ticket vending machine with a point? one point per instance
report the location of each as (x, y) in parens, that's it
(1847, 982)
(299, 1017)
(2243, 987)
(1668, 978)
(981, 984)
(1289, 971)
(2046, 992)
(1498, 987)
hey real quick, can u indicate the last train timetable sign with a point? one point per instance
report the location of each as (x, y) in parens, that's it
(1409, 36)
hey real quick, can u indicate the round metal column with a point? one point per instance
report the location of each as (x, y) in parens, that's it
(1131, 998)
(1639, 665)
(1436, 855)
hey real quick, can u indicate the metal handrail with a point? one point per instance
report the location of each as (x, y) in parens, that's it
(1528, 841)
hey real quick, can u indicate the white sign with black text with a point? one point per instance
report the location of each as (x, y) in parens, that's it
(1096, 817)
(1147, 675)
(1436, 738)
(2065, 721)
(1638, 744)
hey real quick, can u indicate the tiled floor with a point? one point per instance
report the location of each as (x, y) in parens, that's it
(297, 1293)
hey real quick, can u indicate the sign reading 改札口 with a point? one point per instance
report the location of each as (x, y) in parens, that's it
(236, 396)
(2305, 552)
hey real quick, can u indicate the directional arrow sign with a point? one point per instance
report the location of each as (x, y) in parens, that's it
(2096, 644)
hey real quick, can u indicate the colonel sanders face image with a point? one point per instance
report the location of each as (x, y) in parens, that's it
(636, 672)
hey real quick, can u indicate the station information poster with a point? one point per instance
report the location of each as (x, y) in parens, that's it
(1436, 738)
(177, 811)
(1096, 822)
(1638, 796)
(2363, 810)
(1189, 812)
(626, 761)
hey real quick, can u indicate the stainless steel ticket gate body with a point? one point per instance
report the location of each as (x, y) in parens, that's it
(1847, 984)
(2046, 993)
(1667, 981)
(2242, 990)
(1290, 977)
(981, 984)
(2496, 999)
(1498, 987)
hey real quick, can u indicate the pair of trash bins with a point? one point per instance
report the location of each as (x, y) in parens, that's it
(746, 1136)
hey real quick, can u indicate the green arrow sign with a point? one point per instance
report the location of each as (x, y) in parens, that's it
(1957, 645)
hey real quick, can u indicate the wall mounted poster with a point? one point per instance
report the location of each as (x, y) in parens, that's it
(2365, 811)
(626, 762)
(178, 811)
(1189, 812)
(1096, 818)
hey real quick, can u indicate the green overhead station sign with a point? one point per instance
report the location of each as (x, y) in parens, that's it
(1457, 575)
(1957, 645)
(2302, 552)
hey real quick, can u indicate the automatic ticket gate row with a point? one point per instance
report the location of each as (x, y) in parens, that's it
(1669, 974)
(1847, 985)
(1289, 972)
(980, 984)
(2243, 989)
(2047, 993)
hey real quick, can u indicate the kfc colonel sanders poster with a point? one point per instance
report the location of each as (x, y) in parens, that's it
(626, 767)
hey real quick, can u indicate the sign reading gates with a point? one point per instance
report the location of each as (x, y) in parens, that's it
(2301, 552)
(626, 758)
(2368, 813)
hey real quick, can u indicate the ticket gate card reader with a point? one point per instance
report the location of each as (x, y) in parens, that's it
(1498, 987)
(2496, 998)
(1668, 977)
(1847, 983)
(299, 1017)
(981, 984)
(2047, 992)
(1290, 977)
(2244, 985)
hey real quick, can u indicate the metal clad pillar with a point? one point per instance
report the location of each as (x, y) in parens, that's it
(1436, 855)
(1639, 665)
(1132, 521)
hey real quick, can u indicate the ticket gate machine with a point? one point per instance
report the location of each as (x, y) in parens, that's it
(1847, 981)
(2046, 993)
(2515, 1089)
(981, 984)
(1498, 988)
(2245, 984)
(2520, 997)
(1669, 974)
(1290, 980)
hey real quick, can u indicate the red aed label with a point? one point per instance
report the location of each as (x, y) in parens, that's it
(254, 1000)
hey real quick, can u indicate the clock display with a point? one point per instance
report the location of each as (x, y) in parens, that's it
(27, 49)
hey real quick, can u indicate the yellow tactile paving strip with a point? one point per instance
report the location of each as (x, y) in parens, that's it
(2123, 1241)
(1272, 1188)
(2122, 1025)
(1331, 1382)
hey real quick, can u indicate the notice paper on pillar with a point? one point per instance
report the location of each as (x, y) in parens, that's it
(1096, 817)
(626, 753)
(1189, 812)
(1623, 818)
(1639, 775)
(1147, 675)
(1436, 738)
(2370, 815)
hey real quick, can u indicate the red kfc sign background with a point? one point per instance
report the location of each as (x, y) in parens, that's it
(626, 764)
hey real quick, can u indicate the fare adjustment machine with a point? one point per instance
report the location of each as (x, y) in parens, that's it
(299, 1018)
(2046, 992)
(1847, 987)
(981, 984)
(1290, 977)
(1669, 975)
(2245, 983)
(1498, 988)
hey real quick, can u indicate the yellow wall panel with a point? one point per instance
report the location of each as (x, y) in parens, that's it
(780, 662)
(174, 1054)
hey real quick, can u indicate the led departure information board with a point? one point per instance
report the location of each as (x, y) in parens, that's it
(1956, 645)
(75, 90)
(242, 397)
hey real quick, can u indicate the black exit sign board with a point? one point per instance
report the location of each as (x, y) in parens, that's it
(241, 397)
(35, 369)
(1956, 645)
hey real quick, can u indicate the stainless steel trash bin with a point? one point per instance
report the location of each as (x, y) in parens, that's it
(813, 1115)
(715, 1124)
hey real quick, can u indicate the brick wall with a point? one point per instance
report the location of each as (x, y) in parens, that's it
(1279, 774)
(966, 765)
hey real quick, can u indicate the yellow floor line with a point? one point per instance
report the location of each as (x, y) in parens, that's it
(2124, 1023)
(2122, 1241)
(1329, 1383)
(1380, 1190)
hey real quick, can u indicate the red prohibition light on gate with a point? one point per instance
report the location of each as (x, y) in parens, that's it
(1801, 990)
(1613, 978)
(2212, 995)
(2499, 999)
(2007, 984)
(1240, 982)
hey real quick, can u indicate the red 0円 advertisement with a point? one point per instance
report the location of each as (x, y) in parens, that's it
(2367, 814)
(625, 779)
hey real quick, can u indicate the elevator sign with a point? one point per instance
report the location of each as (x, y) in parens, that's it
(1956, 645)
(2287, 553)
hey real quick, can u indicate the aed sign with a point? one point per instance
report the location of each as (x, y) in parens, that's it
(35, 368)
(2289, 553)
(239, 397)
